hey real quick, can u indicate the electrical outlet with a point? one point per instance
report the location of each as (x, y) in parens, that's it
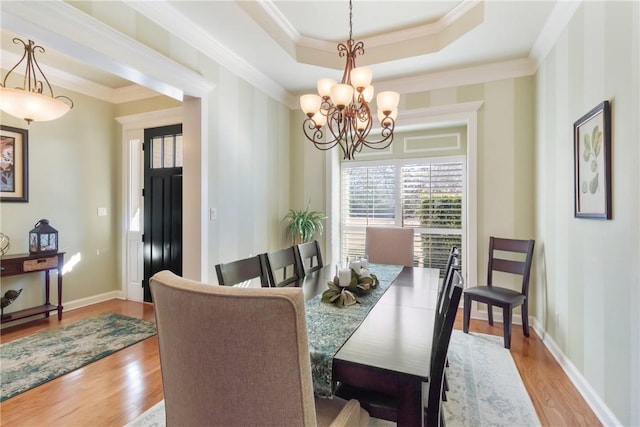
(102, 211)
(213, 214)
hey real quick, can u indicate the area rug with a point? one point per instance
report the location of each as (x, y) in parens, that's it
(33, 360)
(485, 388)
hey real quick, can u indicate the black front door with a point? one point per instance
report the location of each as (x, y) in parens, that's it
(162, 202)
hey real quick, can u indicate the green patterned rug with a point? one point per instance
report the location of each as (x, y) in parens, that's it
(33, 360)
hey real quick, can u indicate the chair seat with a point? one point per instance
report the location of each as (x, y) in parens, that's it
(339, 412)
(496, 295)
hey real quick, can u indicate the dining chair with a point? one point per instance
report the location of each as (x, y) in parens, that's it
(384, 405)
(504, 297)
(389, 245)
(234, 356)
(242, 272)
(283, 268)
(309, 257)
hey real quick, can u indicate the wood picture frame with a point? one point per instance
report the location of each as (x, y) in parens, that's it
(592, 163)
(14, 164)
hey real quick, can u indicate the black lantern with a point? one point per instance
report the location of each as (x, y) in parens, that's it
(43, 238)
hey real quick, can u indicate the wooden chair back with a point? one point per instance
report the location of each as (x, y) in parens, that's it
(309, 257)
(242, 272)
(522, 268)
(441, 340)
(283, 268)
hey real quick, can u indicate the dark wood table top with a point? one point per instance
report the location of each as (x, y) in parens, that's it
(397, 333)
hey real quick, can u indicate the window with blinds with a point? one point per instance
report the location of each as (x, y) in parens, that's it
(426, 195)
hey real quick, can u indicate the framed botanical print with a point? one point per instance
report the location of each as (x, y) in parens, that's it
(592, 163)
(14, 164)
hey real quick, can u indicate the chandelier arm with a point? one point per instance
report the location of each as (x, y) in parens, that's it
(24, 54)
(35, 61)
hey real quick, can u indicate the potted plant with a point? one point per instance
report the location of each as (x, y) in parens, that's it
(304, 224)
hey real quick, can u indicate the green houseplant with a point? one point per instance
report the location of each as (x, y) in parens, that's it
(302, 225)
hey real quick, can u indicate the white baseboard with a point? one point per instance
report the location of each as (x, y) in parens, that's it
(94, 299)
(71, 305)
(602, 411)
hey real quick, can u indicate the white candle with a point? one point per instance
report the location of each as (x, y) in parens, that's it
(355, 265)
(364, 262)
(344, 277)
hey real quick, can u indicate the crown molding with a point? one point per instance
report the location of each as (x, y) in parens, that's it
(558, 20)
(415, 41)
(169, 18)
(81, 36)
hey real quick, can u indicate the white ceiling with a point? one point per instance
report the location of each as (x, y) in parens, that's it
(293, 43)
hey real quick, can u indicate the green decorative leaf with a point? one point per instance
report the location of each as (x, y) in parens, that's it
(587, 148)
(596, 141)
(594, 166)
(593, 185)
(584, 187)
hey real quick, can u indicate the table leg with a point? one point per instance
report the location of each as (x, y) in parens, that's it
(410, 408)
(59, 293)
(46, 290)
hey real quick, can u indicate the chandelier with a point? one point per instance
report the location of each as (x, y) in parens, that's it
(30, 102)
(342, 110)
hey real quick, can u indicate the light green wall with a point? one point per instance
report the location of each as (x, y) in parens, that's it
(74, 168)
(588, 277)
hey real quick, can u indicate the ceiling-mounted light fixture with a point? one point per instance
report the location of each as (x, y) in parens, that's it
(344, 107)
(29, 102)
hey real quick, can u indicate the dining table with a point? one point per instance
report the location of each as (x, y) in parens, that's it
(383, 343)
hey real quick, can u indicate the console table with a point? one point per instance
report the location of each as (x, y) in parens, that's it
(12, 265)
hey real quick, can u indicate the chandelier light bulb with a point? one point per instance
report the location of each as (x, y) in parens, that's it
(361, 77)
(319, 119)
(341, 95)
(310, 104)
(362, 123)
(388, 100)
(385, 120)
(324, 87)
(367, 94)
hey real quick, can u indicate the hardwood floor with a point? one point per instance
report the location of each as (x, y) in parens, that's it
(116, 389)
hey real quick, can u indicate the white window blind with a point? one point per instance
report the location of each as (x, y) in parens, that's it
(426, 195)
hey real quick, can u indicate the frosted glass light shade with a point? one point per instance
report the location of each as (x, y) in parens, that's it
(310, 104)
(324, 87)
(388, 100)
(362, 123)
(384, 121)
(31, 106)
(361, 77)
(319, 119)
(341, 95)
(367, 93)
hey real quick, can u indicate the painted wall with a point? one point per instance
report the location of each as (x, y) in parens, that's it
(587, 282)
(74, 168)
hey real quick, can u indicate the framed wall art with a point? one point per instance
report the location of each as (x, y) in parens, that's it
(14, 164)
(592, 163)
